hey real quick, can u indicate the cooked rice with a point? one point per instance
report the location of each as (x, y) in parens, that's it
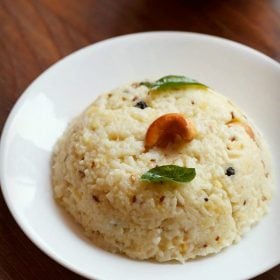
(98, 162)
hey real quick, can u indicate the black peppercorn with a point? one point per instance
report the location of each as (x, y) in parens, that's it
(141, 105)
(230, 171)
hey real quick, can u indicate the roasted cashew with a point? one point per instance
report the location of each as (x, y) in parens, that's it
(165, 129)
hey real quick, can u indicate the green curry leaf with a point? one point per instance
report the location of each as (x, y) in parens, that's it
(169, 173)
(172, 82)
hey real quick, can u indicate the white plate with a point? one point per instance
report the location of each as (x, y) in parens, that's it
(248, 77)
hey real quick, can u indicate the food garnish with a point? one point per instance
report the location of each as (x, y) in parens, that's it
(169, 173)
(172, 82)
(165, 129)
(230, 171)
(141, 105)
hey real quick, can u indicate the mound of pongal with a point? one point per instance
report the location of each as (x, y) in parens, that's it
(164, 170)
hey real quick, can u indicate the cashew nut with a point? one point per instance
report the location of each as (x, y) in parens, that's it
(165, 129)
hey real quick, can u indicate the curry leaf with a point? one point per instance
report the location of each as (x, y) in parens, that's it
(172, 82)
(169, 173)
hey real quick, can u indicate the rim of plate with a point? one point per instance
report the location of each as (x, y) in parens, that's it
(36, 239)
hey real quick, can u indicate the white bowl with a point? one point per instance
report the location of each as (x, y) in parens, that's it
(249, 78)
